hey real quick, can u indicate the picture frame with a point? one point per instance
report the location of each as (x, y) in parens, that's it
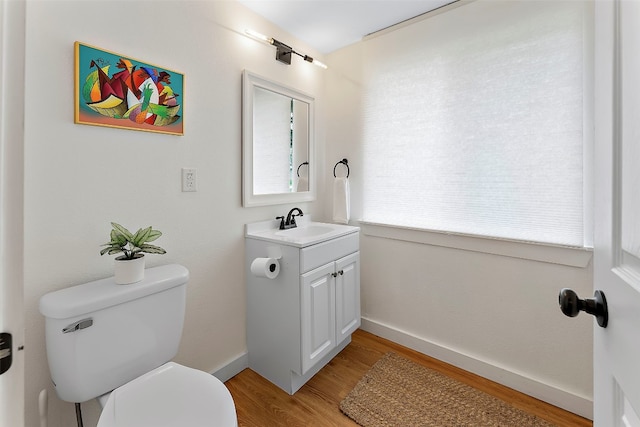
(118, 91)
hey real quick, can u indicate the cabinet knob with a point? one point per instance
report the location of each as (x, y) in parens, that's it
(334, 274)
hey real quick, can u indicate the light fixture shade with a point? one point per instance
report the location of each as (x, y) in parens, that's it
(319, 64)
(315, 61)
(259, 36)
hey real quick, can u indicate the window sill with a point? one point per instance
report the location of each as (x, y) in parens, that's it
(553, 254)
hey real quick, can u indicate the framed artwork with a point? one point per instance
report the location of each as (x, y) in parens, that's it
(114, 90)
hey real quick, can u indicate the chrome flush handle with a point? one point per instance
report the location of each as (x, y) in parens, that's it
(80, 324)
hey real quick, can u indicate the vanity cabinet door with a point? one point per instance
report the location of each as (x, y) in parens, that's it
(318, 319)
(347, 296)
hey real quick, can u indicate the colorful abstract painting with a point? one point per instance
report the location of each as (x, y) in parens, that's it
(117, 91)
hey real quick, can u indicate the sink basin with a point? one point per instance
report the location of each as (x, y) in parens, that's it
(302, 232)
(305, 234)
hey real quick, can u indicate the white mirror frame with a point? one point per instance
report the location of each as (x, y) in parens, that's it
(249, 82)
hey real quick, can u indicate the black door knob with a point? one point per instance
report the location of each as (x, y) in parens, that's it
(571, 305)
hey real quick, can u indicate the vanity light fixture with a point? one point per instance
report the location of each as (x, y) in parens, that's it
(283, 51)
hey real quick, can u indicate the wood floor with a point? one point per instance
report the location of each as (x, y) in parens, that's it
(261, 404)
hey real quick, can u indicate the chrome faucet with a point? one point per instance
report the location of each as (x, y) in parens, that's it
(290, 222)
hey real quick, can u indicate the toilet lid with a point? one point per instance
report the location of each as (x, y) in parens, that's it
(169, 396)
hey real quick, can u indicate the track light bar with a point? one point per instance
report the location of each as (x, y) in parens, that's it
(283, 51)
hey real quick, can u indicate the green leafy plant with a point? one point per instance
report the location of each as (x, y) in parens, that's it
(131, 245)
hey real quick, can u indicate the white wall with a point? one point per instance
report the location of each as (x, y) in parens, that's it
(78, 178)
(492, 314)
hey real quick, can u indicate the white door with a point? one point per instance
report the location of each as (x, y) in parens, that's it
(318, 314)
(12, 30)
(617, 212)
(347, 296)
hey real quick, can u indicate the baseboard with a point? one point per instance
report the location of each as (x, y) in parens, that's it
(232, 368)
(557, 397)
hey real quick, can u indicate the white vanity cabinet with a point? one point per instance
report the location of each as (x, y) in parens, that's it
(298, 321)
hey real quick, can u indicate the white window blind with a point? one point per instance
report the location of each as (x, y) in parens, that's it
(473, 122)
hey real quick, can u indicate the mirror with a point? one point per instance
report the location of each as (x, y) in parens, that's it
(277, 143)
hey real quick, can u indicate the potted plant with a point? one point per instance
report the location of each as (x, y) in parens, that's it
(129, 267)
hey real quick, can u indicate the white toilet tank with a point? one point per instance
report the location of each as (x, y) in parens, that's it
(115, 333)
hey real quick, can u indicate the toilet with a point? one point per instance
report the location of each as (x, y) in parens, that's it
(115, 343)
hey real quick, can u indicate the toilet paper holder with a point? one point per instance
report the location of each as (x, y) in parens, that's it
(268, 267)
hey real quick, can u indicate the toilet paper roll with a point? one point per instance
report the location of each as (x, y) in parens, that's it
(265, 267)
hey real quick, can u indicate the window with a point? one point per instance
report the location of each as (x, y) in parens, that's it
(474, 122)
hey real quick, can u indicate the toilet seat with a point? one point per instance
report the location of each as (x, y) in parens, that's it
(169, 396)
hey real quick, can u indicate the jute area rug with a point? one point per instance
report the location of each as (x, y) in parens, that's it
(399, 392)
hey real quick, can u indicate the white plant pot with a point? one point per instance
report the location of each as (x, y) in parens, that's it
(129, 271)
